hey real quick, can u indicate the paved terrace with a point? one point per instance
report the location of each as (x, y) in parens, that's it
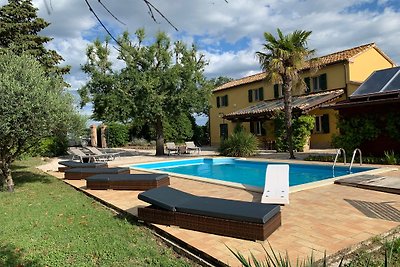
(328, 218)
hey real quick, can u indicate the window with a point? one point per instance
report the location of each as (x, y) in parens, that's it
(318, 83)
(315, 83)
(223, 131)
(278, 90)
(308, 84)
(322, 124)
(256, 128)
(222, 101)
(256, 94)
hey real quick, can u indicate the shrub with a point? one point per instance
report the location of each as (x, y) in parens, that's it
(139, 142)
(393, 125)
(302, 127)
(117, 135)
(354, 131)
(239, 144)
(49, 147)
(366, 159)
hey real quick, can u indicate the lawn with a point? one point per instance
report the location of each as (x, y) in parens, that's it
(48, 223)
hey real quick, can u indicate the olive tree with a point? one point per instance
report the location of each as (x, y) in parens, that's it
(32, 106)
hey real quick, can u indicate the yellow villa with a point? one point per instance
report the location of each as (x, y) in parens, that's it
(252, 100)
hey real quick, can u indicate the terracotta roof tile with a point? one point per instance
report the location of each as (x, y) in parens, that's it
(303, 102)
(323, 60)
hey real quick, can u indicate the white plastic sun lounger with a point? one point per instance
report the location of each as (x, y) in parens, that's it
(276, 189)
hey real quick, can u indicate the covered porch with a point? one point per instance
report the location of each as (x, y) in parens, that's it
(259, 118)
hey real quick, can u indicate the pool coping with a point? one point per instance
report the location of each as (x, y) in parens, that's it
(292, 189)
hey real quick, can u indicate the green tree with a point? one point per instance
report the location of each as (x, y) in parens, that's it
(19, 28)
(282, 58)
(160, 81)
(220, 81)
(32, 106)
(178, 129)
(111, 103)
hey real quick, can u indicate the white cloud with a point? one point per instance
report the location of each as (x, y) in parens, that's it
(213, 24)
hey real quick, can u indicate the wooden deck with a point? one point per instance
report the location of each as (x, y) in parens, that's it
(383, 183)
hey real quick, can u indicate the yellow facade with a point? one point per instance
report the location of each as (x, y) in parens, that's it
(366, 63)
(343, 74)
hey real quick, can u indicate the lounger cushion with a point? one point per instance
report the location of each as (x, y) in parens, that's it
(127, 177)
(174, 200)
(165, 197)
(97, 170)
(75, 164)
(229, 209)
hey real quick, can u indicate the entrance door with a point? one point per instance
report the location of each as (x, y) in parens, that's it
(223, 131)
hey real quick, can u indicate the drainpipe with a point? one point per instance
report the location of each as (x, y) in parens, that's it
(345, 81)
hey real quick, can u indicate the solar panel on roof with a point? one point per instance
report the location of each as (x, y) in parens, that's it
(380, 81)
(394, 83)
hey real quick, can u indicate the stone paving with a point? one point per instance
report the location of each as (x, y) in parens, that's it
(316, 220)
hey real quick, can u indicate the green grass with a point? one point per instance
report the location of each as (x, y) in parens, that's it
(48, 223)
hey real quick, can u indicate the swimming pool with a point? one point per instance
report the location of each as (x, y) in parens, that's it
(246, 172)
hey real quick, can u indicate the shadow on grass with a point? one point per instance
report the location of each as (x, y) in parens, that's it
(16, 167)
(12, 256)
(23, 177)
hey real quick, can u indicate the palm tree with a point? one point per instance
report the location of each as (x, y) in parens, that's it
(282, 58)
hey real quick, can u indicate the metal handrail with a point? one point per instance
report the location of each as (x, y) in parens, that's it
(354, 155)
(337, 155)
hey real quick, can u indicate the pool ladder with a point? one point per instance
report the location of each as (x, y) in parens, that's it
(344, 156)
(337, 155)
(354, 155)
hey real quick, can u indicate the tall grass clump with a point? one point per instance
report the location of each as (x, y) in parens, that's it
(390, 157)
(386, 255)
(239, 144)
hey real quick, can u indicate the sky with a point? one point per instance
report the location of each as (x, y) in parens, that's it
(227, 33)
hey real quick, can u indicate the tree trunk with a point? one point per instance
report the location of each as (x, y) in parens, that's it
(287, 87)
(6, 178)
(160, 137)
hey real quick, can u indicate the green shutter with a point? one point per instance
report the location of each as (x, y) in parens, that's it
(325, 123)
(322, 82)
(252, 127)
(250, 95)
(308, 85)
(276, 90)
(261, 93)
(218, 102)
(226, 100)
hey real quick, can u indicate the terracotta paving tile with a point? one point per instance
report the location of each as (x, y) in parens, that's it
(318, 218)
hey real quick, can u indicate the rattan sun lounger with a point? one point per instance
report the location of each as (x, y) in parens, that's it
(240, 219)
(104, 155)
(69, 164)
(127, 181)
(83, 173)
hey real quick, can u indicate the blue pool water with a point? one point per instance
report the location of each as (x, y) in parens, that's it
(247, 172)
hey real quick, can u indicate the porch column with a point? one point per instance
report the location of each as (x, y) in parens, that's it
(103, 136)
(93, 135)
